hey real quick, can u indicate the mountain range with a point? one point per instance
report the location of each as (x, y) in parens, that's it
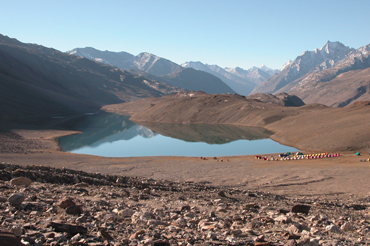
(334, 75)
(40, 81)
(240, 80)
(157, 68)
(237, 79)
(146, 62)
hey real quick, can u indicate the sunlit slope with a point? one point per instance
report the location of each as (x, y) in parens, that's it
(313, 127)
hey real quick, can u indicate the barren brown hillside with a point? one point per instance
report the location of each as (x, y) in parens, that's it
(312, 127)
(37, 81)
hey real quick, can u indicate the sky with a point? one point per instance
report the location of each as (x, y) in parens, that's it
(228, 33)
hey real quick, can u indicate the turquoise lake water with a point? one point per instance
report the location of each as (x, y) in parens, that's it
(113, 135)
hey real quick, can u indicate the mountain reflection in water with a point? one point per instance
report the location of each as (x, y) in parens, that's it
(108, 134)
(211, 134)
(101, 128)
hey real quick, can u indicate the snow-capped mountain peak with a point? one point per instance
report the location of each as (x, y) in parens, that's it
(364, 50)
(308, 62)
(240, 80)
(330, 47)
(286, 64)
(195, 65)
(268, 70)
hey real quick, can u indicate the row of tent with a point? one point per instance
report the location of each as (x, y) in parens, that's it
(297, 156)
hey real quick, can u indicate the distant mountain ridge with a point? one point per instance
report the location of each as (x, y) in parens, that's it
(240, 80)
(334, 75)
(346, 82)
(163, 70)
(190, 79)
(309, 61)
(144, 61)
(39, 81)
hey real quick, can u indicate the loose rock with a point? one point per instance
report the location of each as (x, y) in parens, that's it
(66, 202)
(300, 208)
(16, 199)
(8, 239)
(173, 213)
(21, 181)
(74, 210)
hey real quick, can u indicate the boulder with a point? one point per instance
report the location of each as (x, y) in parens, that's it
(347, 226)
(332, 228)
(65, 202)
(104, 234)
(16, 199)
(126, 212)
(8, 239)
(300, 208)
(21, 181)
(71, 229)
(17, 231)
(82, 184)
(74, 210)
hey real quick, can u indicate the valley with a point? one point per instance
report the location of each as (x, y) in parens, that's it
(44, 90)
(193, 123)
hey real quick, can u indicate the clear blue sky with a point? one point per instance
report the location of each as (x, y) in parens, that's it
(227, 33)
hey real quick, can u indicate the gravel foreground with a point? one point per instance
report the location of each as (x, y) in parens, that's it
(48, 206)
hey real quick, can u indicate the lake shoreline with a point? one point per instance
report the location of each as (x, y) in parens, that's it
(114, 135)
(312, 127)
(330, 177)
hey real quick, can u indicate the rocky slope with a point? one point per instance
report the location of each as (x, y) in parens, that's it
(37, 81)
(48, 206)
(334, 75)
(308, 62)
(310, 127)
(195, 80)
(144, 61)
(345, 83)
(240, 80)
(282, 99)
(157, 68)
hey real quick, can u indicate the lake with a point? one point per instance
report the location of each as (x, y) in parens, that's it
(113, 135)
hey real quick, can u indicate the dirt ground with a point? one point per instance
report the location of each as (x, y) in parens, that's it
(340, 177)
